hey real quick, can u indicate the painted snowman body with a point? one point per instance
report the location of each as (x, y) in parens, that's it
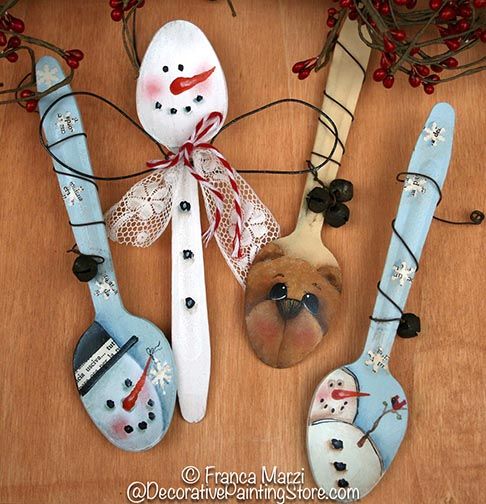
(180, 82)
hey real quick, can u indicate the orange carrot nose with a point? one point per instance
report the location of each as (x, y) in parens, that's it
(182, 84)
(339, 394)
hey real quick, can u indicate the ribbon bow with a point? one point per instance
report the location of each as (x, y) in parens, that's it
(238, 219)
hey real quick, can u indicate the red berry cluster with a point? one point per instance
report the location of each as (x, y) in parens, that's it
(454, 20)
(8, 38)
(118, 7)
(10, 27)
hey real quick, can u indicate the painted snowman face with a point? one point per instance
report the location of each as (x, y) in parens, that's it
(336, 398)
(181, 81)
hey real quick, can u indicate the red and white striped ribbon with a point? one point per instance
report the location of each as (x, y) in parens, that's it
(205, 129)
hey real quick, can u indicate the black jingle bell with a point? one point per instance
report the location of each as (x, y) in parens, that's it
(85, 268)
(319, 199)
(409, 326)
(342, 190)
(337, 215)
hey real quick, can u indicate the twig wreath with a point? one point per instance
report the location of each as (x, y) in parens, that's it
(406, 36)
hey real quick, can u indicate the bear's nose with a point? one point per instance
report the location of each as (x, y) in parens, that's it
(289, 308)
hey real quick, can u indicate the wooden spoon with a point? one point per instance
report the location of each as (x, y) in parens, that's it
(358, 414)
(122, 364)
(294, 284)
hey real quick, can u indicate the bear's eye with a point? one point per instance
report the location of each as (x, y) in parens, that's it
(311, 302)
(278, 291)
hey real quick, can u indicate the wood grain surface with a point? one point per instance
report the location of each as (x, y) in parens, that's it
(50, 452)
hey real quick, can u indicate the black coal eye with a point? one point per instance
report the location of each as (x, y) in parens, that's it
(311, 302)
(165, 68)
(198, 98)
(158, 105)
(181, 67)
(278, 291)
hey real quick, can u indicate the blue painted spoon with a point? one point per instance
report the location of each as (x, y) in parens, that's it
(358, 414)
(122, 364)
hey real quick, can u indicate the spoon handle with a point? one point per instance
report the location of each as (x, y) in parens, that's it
(79, 194)
(344, 85)
(419, 198)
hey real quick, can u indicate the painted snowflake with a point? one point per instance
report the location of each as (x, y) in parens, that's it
(434, 134)
(47, 75)
(403, 273)
(378, 360)
(72, 193)
(65, 122)
(106, 286)
(161, 374)
(414, 185)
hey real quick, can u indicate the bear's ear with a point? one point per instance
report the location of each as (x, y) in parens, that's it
(332, 275)
(268, 252)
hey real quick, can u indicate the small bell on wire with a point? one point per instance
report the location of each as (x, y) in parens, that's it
(409, 326)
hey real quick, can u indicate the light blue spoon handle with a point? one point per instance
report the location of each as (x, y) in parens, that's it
(80, 196)
(419, 199)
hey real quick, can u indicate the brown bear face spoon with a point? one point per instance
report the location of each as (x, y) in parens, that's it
(294, 285)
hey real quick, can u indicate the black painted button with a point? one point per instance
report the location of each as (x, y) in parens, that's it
(340, 466)
(150, 402)
(110, 404)
(173, 111)
(337, 444)
(187, 109)
(142, 425)
(190, 302)
(158, 105)
(165, 68)
(180, 67)
(128, 429)
(187, 254)
(342, 483)
(128, 382)
(151, 415)
(85, 268)
(199, 98)
(185, 206)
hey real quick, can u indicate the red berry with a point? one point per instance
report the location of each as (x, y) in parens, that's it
(331, 11)
(399, 35)
(450, 62)
(415, 50)
(422, 70)
(379, 74)
(389, 46)
(435, 4)
(479, 4)
(331, 22)
(31, 105)
(387, 60)
(76, 54)
(117, 15)
(12, 57)
(414, 80)
(434, 78)
(304, 74)
(453, 44)
(309, 63)
(3, 39)
(436, 68)
(388, 81)
(463, 25)
(429, 88)
(25, 93)
(385, 9)
(353, 15)
(141, 4)
(448, 13)
(411, 4)
(400, 2)
(72, 63)
(16, 25)
(465, 11)
(13, 42)
(115, 4)
(345, 3)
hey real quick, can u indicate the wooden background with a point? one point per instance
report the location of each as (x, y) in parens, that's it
(52, 453)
